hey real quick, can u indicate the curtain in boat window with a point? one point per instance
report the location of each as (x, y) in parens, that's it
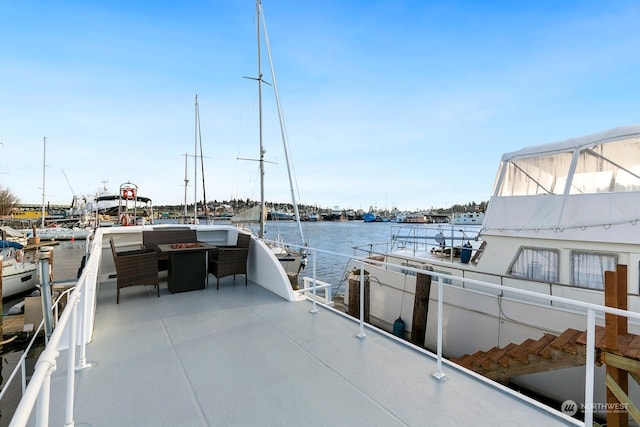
(587, 269)
(536, 264)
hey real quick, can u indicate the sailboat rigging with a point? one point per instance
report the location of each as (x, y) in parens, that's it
(197, 146)
(283, 254)
(205, 210)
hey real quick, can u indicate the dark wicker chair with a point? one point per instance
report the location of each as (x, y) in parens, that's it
(137, 267)
(228, 260)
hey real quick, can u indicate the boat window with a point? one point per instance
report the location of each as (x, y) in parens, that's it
(609, 167)
(587, 268)
(410, 265)
(536, 175)
(445, 281)
(536, 264)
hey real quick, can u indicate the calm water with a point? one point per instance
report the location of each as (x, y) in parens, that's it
(334, 236)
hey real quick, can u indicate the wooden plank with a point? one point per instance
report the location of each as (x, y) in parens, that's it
(520, 352)
(599, 338)
(621, 362)
(420, 309)
(495, 353)
(621, 292)
(506, 359)
(541, 344)
(624, 341)
(611, 300)
(619, 418)
(564, 338)
(633, 351)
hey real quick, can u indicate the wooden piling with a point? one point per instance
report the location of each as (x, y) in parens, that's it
(615, 295)
(353, 309)
(421, 309)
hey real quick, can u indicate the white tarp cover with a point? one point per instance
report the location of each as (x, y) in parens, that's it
(530, 202)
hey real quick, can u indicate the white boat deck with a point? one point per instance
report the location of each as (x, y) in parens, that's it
(243, 356)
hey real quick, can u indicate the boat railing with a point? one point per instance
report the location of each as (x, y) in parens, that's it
(66, 334)
(424, 238)
(527, 297)
(21, 365)
(72, 332)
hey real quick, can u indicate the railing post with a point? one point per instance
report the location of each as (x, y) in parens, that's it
(82, 360)
(361, 333)
(71, 360)
(439, 374)
(45, 291)
(589, 365)
(42, 410)
(314, 309)
(23, 372)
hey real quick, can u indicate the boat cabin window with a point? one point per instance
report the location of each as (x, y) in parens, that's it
(535, 175)
(536, 264)
(607, 168)
(587, 268)
(611, 166)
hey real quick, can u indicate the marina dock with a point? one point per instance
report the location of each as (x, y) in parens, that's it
(67, 257)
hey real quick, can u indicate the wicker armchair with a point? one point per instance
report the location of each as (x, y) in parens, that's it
(228, 260)
(137, 267)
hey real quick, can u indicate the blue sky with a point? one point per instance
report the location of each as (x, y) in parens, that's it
(387, 103)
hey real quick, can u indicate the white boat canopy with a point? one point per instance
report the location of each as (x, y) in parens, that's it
(591, 183)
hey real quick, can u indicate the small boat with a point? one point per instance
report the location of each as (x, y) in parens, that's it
(125, 208)
(60, 233)
(338, 214)
(19, 271)
(281, 216)
(415, 218)
(467, 218)
(369, 217)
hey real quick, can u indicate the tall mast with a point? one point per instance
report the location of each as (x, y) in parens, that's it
(262, 203)
(195, 168)
(204, 192)
(186, 183)
(283, 131)
(44, 166)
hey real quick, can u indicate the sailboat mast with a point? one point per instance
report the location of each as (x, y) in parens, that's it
(44, 167)
(283, 130)
(262, 202)
(204, 192)
(195, 168)
(186, 183)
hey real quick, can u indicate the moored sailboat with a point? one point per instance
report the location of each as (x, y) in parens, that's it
(294, 260)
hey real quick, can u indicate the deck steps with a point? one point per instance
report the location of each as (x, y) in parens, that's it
(549, 352)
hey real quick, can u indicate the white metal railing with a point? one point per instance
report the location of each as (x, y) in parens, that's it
(72, 331)
(589, 309)
(38, 389)
(21, 364)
